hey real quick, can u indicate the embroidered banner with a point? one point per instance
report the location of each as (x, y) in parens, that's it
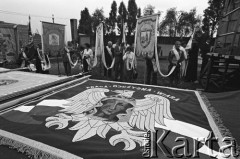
(145, 38)
(7, 44)
(99, 44)
(100, 119)
(22, 31)
(53, 37)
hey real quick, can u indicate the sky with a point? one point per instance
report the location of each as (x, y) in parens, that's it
(64, 10)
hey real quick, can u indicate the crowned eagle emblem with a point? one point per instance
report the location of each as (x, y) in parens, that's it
(146, 35)
(94, 113)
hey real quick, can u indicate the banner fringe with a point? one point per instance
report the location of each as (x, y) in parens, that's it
(26, 149)
(32, 148)
(225, 132)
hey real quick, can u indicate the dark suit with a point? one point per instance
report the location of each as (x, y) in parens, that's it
(204, 50)
(31, 53)
(108, 59)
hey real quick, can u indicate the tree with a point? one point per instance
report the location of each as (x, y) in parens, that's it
(122, 11)
(168, 25)
(97, 18)
(113, 14)
(132, 16)
(85, 23)
(187, 22)
(178, 23)
(122, 17)
(149, 9)
(212, 15)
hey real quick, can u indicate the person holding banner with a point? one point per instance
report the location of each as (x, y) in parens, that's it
(80, 52)
(109, 55)
(22, 58)
(175, 58)
(152, 67)
(87, 58)
(191, 73)
(205, 48)
(67, 62)
(31, 54)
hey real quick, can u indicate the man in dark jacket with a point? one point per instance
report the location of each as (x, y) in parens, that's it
(32, 54)
(204, 50)
(118, 51)
(109, 55)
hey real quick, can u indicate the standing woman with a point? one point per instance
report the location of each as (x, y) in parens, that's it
(191, 74)
(67, 62)
(130, 64)
(87, 58)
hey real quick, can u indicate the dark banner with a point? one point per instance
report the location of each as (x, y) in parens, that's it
(22, 31)
(53, 37)
(73, 23)
(100, 119)
(8, 47)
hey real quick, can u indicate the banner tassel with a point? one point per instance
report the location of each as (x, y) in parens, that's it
(25, 149)
(218, 120)
(31, 148)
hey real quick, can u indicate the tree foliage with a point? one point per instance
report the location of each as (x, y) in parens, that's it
(178, 23)
(122, 15)
(122, 11)
(212, 15)
(97, 18)
(132, 16)
(85, 23)
(113, 14)
(148, 10)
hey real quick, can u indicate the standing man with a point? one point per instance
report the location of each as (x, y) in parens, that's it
(118, 67)
(191, 74)
(67, 61)
(206, 47)
(32, 54)
(109, 55)
(152, 67)
(175, 58)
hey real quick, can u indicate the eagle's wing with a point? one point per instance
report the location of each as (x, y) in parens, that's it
(84, 101)
(153, 108)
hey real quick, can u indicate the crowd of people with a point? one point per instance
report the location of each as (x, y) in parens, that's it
(32, 56)
(120, 63)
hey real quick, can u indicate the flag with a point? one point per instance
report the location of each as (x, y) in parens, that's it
(53, 37)
(145, 37)
(105, 119)
(99, 44)
(29, 26)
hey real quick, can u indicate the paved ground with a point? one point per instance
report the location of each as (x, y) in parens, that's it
(15, 81)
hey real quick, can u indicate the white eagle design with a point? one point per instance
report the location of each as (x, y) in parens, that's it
(95, 113)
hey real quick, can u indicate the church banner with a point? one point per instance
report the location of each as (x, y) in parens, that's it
(99, 44)
(22, 31)
(53, 37)
(103, 119)
(145, 38)
(8, 47)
